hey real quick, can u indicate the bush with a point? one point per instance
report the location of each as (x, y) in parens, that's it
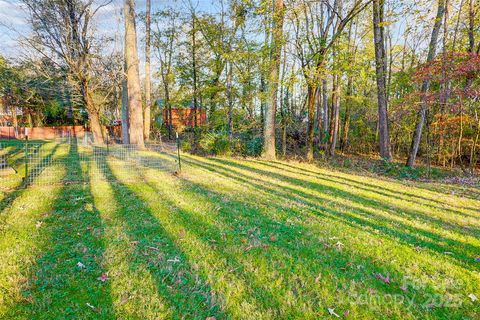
(216, 144)
(254, 146)
(185, 145)
(403, 172)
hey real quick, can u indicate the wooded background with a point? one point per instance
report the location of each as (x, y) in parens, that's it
(277, 78)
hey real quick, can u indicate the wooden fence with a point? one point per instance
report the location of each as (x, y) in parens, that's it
(42, 133)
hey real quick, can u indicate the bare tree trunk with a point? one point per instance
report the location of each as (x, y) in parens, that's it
(15, 121)
(473, 151)
(263, 101)
(284, 123)
(334, 121)
(311, 120)
(318, 111)
(471, 25)
(381, 70)
(95, 126)
(346, 121)
(133, 79)
(125, 131)
(195, 80)
(417, 134)
(325, 119)
(269, 151)
(230, 99)
(93, 112)
(148, 88)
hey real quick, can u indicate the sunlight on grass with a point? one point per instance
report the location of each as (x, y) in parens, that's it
(237, 239)
(133, 288)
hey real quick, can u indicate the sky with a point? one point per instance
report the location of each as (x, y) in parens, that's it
(14, 24)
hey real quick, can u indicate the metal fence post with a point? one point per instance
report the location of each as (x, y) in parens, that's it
(26, 158)
(178, 153)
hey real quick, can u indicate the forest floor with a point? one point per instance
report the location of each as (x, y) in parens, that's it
(240, 239)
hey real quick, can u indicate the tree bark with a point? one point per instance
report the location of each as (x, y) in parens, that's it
(311, 120)
(346, 120)
(125, 130)
(195, 80)
(148, 87)
(133, 79)
(325, 110)
(230, 99)
(269, 151)
(381, 71)
(335, 119)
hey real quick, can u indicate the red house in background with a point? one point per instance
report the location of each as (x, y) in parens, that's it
(184, 117)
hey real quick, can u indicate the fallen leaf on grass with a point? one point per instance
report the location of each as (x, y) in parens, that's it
(174, 260)
(134, 243)
(91, 306)
(80, 265)
(332, 312)
(473, 297)
(477, 259)
(125, 299)
(103, 277)
(403, 288)
(386, 279)
(210, 318)
(273, 238)
(338, 245)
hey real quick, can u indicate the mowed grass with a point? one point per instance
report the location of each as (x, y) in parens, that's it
(239, 239)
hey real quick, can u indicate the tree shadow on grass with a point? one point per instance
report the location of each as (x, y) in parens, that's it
(298, 264)
(185, 292)
(424, 187)
(357, 217)
(374, 204)
(20, 189)
(384, 191)
(64, 283)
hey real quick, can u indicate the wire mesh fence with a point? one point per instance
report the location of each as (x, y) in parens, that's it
(71, 161)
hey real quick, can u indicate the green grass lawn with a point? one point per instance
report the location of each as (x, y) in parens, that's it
(239, 239)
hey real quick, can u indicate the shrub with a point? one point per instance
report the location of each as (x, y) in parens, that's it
(216, 144)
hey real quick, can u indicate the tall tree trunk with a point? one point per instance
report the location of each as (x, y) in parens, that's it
(318, 111)
(311, 120)
(263, 100)
(195, 84)
(284, 109)
(325, 119)
(269, 151)
(135, 111)
(148, 88)
(471, 25)
(346, 120)
(381, 71)
(230, 99)
(334, 121)
(417, 134)
(15, 120)
(125, 130)
(93, 112)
